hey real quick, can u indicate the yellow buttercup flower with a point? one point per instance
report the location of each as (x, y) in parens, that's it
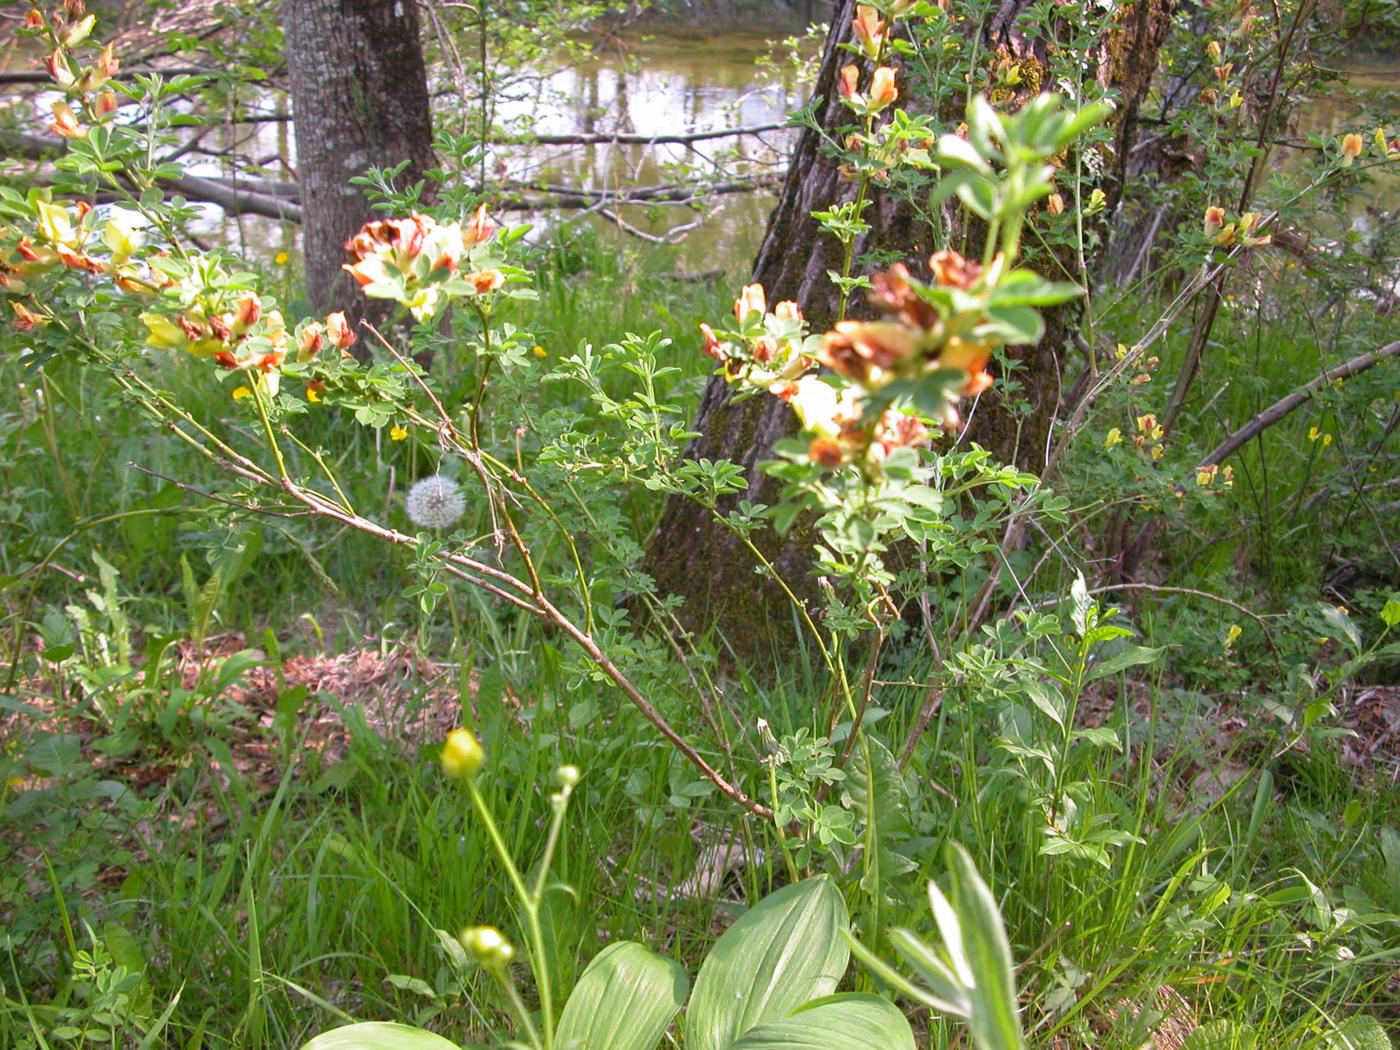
(281, 259)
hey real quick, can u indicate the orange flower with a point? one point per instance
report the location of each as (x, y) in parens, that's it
(338, 330)
(951, 270)
(751, 300)
(826, 452)
(479, 229)
(486, 280)
(870, 29)
(712, 345)
(971, 358)
(1352, 145)
(310, 340)
(33, 19)
(246, 313)
(1055, 203)
(787, 310)
(25, 319)
(1214, 220)
(892, 293)
(850, 77)
(58, 69)
(65, 123)
(863, 350)
(882, 88)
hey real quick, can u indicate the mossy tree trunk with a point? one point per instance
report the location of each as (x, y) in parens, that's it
(689, 554)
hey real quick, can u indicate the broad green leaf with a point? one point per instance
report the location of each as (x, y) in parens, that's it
(995, 1023)
(1132, 656)
(954, 152)
(379, 1035)
(1359, 1033)
(786, 950)
(625, 1000)
(942, 988)
(841, 1022)
(1027, 288)
(978, 195)
(1015, 325)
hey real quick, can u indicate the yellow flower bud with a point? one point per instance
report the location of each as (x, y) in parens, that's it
(462, 755)
(486, 944)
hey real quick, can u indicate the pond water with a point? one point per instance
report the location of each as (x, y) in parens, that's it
(679, 76)
(666, 79)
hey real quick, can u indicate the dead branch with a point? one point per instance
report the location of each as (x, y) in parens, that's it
(1282, 407)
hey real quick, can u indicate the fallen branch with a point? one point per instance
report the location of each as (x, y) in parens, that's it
(273, 200)
(1282, 407)
(639, 140)
(42, 76)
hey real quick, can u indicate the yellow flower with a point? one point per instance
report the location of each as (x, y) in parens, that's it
(540, 352)
(1232, 635)
(239, 393)
(398, 433)
(1206, 475)
(1314, 434)
(1326, 440)
(1112, 438)
(281, 259)
(312, 395)
(462, 754)
(1121, 352)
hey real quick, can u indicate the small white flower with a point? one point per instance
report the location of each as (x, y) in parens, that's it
(435, 503)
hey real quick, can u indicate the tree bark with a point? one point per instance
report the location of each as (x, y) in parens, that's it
(360, 100)
(689, 554)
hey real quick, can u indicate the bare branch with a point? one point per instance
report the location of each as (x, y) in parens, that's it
(1282, 407)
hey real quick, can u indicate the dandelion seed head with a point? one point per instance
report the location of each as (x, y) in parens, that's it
(435, 502)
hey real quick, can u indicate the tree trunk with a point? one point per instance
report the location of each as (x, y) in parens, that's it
(692, 556)
(360, 100)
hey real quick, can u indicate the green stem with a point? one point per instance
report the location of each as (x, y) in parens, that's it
(530, 904)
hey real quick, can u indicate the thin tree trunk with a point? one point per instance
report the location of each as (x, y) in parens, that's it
(360, 100)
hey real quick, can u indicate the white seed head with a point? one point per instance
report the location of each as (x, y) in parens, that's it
(435, 503)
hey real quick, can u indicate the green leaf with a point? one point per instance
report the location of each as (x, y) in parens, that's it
(786, 950)
(943, 989)
(1014, 325)
(985, 952)
(840, 1022)
(1027, 288)
(625, 1000)
(978, 195)
(1359, 1033)
(379, 1035)
(1132, 656)
(954, 152)
(1390, 614)
(1220, 1035)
